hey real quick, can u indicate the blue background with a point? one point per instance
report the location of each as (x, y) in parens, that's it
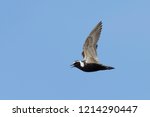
(39, 39)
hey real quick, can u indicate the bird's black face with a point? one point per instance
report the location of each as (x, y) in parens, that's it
(76, 64)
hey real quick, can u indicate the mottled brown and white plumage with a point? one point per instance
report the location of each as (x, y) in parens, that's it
(89, 48)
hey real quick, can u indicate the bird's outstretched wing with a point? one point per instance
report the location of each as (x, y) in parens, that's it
(89, 48)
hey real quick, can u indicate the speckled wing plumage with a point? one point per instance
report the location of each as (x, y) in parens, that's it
(89, 48)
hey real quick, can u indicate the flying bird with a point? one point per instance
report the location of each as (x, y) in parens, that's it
(90, 62)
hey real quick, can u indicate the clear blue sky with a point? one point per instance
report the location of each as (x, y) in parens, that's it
(39, 39)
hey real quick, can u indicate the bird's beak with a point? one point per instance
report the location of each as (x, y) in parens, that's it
(72, 65)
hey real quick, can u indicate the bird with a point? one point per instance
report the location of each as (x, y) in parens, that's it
(90, 62)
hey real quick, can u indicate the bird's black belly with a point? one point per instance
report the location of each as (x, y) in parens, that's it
(95, 67)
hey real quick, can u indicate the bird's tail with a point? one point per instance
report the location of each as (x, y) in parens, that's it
(109, 68)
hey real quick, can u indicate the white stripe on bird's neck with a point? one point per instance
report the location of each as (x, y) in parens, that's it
(81, 63)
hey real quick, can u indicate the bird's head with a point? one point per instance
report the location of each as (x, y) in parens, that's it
(78, 64)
